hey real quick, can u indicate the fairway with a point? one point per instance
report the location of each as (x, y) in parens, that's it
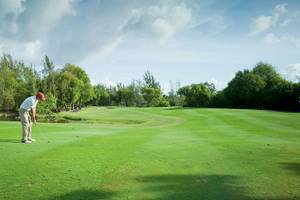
(154, 153)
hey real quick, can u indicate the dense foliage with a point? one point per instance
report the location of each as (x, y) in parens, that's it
(260, 88)
(70, 88)
(139, 93)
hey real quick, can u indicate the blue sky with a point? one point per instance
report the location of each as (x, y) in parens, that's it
(189, 41)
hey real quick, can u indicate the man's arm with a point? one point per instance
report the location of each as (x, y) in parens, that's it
(33, 111)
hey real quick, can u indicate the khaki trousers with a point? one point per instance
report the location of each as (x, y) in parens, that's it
(26, 124)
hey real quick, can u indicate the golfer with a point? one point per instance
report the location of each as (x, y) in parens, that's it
(28, 115)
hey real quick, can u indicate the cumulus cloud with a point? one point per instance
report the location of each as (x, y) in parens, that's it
(279, 10)
(41, 16)
(261, 24)
(265, 22)
(160, 22)
(157, 23)
(11, 7)
(77, 30)
(9, 12)
(292, 71)
(30, 51)
(279, 19)
(25, 26)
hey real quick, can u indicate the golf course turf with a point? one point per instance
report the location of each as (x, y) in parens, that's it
(154, 153)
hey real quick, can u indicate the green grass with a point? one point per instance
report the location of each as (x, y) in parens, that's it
(155, 153)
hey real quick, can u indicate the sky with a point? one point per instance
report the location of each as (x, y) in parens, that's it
(179, 41)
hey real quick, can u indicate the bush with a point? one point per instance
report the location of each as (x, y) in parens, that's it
(48, 106)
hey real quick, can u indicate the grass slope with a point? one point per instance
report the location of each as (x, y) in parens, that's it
(155, 153)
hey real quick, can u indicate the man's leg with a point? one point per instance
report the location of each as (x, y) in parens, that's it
(29, 127)
(25, 124)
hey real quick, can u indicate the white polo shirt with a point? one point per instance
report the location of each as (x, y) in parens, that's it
(29, 103)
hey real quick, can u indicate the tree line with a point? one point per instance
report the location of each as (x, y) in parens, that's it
(70, 88)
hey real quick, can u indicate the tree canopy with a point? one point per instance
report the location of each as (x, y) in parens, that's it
(70, 88)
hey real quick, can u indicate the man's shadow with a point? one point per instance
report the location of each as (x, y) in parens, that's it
(10, 140)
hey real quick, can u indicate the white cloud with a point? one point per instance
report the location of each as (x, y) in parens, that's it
(261, 24)
(280, 9)
(9, 11)
(286, 22)
(265, 22)
(103, 51)
(291, 18)
(157, 22)
(35, 19)
(30, 51)
(11, 7)
(63, 26)
(160, 21)
(291, 72)
(271, 38)
(280, 18)
(41, 16)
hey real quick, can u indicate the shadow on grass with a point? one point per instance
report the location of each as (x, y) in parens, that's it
(294, 167)
(85, 195)
(192, 187)
(212, 187)
(10, 140)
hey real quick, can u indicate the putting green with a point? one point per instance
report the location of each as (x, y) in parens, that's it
(155, 153)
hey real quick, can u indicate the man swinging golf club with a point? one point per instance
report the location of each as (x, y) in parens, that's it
(28, 115)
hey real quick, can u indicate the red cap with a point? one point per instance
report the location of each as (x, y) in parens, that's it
(40, 96)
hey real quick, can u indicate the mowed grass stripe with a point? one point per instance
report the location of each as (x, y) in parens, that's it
(203, 155)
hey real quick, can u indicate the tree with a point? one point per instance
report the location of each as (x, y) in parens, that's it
(69, 88)
(8, 84)
(151, 91)
(48, 84)
(68, 91)
(196, 95)
(17, 82)
(151, 96)
(84, 83)
(150, 81)
(266, 72)
(125, 95)
(272, 91)
(211, 87)
(48, 106)
(261, 88)
(136, 87)
(245, 90)
(219, 100)
(173, 97)
(48, 66)
(101, 96)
